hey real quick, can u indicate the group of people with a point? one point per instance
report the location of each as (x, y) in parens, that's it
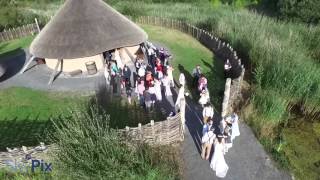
(149, 77)
(219, 134)
(155, 75)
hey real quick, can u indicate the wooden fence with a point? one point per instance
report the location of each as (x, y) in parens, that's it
(19, 32)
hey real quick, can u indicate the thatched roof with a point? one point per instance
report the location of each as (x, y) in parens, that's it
(83, 28)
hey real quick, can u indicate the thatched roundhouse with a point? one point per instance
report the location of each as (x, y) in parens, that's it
(81, 31)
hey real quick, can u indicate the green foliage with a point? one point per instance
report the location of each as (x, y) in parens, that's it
(187, 54)
(271, 105)
(9, 47)
(301, 10)
(25, 115)
(89, 149)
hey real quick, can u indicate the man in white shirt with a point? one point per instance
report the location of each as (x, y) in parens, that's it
(207, 112)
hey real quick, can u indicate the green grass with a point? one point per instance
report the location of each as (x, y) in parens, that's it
(11, 47)
(187, 53)
(302, 147)
(25, 115)
(88, 148)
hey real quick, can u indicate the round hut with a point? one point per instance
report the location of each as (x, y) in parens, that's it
(80, 32)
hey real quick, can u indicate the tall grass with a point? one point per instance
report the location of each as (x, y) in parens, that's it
(89, 149)
(288, 61)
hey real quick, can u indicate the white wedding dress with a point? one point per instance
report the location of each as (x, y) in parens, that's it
(218, 162)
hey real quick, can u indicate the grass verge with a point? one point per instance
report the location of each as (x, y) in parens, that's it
(187, 53)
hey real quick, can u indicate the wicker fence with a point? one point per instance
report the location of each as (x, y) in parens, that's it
(159, 133)
(19, 32)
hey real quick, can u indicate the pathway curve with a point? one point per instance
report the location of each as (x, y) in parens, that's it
(247, 159)
(37, 77)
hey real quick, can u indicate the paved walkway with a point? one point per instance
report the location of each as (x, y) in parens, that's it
(246, 159)
(37, 77)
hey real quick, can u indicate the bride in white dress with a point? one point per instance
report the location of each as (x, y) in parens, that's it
(218, 162)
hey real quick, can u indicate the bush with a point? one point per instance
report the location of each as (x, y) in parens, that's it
(89, 149)
(300, 10)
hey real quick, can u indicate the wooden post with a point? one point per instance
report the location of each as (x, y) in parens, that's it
(35, 19)
(152, 131)
(183, 117)
(140, 132)
(127, 133)
(11, 35)
(54, 72)
(1, 37)
(167, 130)
(27, 65)
(226, 98)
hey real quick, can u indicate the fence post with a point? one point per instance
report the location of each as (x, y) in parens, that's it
(140, 132)
(127, 133)
(152, 131)
(1, 37)
(182, 117)
(226, 98)
(167, 139)
(4, 35)
(36, 20)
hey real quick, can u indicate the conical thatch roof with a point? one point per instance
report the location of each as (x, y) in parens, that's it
(83, 28)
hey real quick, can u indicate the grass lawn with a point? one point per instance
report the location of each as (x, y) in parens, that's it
(25, 115)
(187, 53)
(11, 47)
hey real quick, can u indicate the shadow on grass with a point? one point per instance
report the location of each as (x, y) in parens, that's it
(23, 132)
(12, 61)
(216, 83)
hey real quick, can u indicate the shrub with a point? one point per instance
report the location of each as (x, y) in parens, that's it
(301, 10)
(89, 149)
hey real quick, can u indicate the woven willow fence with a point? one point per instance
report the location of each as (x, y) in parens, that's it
(19, 32)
